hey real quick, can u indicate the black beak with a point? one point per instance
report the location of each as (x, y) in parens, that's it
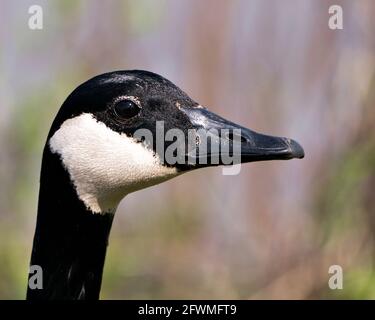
(241, 143)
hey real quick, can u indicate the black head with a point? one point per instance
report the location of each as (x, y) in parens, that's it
(126, 130)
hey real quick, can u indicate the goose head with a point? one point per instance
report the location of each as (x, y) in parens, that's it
(124, 131)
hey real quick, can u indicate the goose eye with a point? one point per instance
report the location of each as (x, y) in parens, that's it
(126, 109)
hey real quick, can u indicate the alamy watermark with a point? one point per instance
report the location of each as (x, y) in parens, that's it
(336, 280)
(35, 21)
(196, 147)
(336, 19)
(36, 277)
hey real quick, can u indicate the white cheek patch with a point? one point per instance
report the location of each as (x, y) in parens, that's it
(104, 165)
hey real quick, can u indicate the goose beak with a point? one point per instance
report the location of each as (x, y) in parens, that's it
(243, 143)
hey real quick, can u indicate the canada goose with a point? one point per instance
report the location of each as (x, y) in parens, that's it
(92, 159)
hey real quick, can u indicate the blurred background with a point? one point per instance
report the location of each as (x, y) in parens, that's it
(273, 66)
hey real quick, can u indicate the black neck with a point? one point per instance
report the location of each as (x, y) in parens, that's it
(70, 241)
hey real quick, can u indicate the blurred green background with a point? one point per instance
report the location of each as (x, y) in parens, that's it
(273, 66)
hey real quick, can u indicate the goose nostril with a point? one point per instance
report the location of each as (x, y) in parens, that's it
(231, 136)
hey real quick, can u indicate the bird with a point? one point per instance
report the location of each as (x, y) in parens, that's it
(94, 156)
